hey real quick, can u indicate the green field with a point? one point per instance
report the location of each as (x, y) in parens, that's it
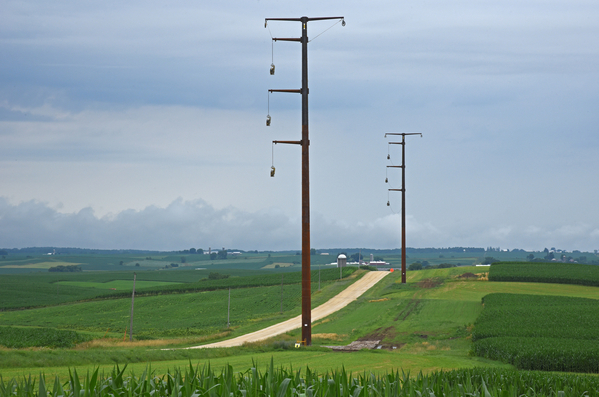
(539, 332)
(425, 325)
(428, 324)
(558, 273)
(193, 381)
(45, 289)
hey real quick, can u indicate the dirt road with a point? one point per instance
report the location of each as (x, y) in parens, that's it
(338, 302)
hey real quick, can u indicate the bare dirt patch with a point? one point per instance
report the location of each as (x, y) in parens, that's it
(328, 336)
(381, 338)
(468, 276)
(430, 282)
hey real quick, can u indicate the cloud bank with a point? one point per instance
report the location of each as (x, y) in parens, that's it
(197, 224)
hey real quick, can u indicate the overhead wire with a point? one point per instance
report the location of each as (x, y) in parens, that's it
(330, 27)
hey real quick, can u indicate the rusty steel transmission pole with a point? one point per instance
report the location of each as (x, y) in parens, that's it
(403, 195)
(305, 143)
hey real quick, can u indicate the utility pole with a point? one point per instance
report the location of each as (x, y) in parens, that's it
(403, 195)
(305, 143)
(132, 301)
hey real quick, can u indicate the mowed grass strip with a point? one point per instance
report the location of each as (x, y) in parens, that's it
(551, 333)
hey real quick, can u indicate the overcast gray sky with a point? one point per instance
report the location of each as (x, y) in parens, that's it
(142, 124)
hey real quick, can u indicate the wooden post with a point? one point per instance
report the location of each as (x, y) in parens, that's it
(131, 318)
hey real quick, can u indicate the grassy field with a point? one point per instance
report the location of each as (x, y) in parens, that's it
(179, 315)
(428, 321)
(44, 289)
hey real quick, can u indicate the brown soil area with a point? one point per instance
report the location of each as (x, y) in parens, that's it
(430, 282)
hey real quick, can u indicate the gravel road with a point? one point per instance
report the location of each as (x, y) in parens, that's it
(338, 302)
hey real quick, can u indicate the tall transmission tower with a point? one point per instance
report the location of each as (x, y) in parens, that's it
(305, 143)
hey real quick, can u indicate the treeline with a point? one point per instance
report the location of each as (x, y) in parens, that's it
(65, 269)
(71, 251)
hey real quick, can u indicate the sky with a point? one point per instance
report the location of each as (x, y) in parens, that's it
(142, 124)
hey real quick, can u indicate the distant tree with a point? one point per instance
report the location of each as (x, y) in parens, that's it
(174, 265)
(192, 250)
(415, 266)
(445, 265)
(137, 264)
(441, 256)
(550, 256)
(3, 253)
(200, 251)
(356, 257)
(67, 269)
(488, 260)
(530, 257)
(217, 276)
(582, 259)
(222, 254)
(378, 258)
(277, 266)
(212, 256)
(312, 251)
(425, 264)
(183, 259)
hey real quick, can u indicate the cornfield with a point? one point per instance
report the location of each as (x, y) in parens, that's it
(280, 382)
(536, 332)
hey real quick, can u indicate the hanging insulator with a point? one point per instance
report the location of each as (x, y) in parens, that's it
(272, 69)
(388, 204)
(268, 120)
(343, 22)
(388, 157)
(272, 171)
(386, 180)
